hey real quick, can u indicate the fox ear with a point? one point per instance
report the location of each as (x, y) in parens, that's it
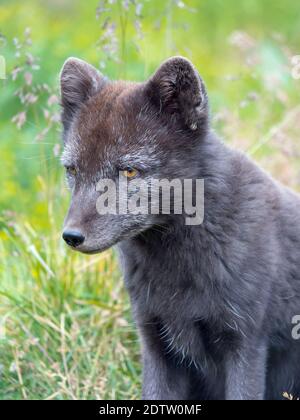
(177, 89)
(78, 81)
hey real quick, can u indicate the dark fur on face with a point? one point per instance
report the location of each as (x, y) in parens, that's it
(213, 303)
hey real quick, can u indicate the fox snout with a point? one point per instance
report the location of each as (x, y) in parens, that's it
(88, 232)
(73, 238)
(78, 222)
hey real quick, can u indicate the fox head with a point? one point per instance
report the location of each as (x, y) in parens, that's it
(136, 131)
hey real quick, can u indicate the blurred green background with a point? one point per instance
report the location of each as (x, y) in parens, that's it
(65, 325)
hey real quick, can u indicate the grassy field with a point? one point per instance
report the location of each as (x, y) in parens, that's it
(65, 326)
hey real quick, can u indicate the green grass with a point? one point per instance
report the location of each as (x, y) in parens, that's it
(65, 326)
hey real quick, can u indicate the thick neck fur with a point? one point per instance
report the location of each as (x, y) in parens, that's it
(232, 213)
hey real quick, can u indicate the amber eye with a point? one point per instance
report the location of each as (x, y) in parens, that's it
(130, 173)
(71, 170)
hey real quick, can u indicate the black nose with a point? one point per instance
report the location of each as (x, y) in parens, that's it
(73, 238)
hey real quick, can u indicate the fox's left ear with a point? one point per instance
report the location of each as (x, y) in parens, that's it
(178, 90)
(78, 81)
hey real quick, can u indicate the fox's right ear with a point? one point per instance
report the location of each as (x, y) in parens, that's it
(78, 82)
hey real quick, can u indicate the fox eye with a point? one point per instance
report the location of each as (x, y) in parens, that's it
(71, 170)
(129, 172)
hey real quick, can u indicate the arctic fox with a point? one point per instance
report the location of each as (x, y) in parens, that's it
(214, 301)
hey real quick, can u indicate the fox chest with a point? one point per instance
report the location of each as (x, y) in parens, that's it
(182, 323)
(192, 323)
